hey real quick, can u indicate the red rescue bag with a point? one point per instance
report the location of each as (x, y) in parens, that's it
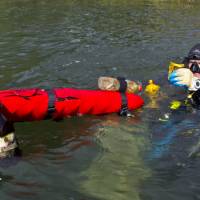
(33, 104)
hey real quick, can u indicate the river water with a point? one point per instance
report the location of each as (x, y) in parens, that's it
(71, 43)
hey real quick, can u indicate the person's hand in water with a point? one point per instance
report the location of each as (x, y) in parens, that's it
(184, 78)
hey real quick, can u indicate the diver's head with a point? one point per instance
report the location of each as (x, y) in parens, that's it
(8, 141)
(8, 145)
(192, 61)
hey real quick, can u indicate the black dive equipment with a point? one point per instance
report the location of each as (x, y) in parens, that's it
(195, 68)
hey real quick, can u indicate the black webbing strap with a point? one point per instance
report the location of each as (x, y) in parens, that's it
(51, 103)
(124, 111)
(123, 84)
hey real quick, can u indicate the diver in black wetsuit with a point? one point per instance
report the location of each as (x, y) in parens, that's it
(189, 76)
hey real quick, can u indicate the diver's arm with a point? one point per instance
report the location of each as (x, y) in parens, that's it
(184, 78)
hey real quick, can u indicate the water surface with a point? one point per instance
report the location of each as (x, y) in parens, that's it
(71, 43)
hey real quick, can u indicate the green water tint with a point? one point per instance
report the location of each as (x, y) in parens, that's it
(71, 43)
(119, 170)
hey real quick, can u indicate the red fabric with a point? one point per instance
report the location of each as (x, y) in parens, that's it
(32, 104)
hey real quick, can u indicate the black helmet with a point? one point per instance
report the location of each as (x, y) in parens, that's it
(194, 54)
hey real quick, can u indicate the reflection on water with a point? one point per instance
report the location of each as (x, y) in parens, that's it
(175, 147)
(97, 162)
(119, 169)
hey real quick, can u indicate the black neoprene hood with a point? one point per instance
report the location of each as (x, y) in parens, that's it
(194, 53)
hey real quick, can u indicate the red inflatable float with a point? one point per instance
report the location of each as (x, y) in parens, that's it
(38, 104)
